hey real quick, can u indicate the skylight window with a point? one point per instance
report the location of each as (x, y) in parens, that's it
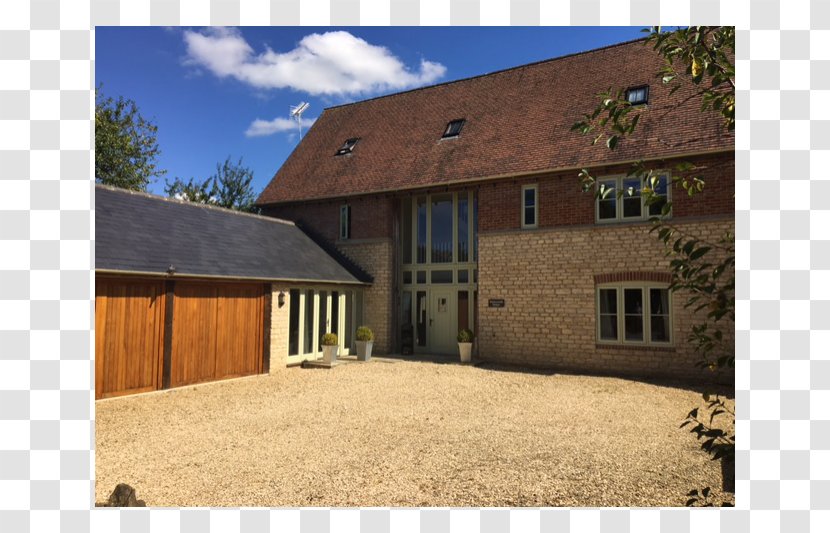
(637, 95)
(347, 147)
(453, 128)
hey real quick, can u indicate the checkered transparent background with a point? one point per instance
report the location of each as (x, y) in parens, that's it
(47, 247)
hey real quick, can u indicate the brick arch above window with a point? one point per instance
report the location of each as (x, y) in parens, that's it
(618, 277)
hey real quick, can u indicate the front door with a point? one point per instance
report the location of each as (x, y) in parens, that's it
(441, 334)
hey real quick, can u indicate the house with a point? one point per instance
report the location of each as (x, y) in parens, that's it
(187, 293)
(462, 202)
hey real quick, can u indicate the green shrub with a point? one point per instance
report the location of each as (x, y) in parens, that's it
(364, 334)
(465, 335)
(329, 339)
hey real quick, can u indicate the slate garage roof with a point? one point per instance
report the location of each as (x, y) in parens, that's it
(142, 233)
(516, 121)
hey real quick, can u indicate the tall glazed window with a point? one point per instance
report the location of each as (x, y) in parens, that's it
(463, 229)
(442, 229)
(422, 229)
(406, 230)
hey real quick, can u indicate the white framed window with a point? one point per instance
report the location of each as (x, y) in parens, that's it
(530, 206)
(634, 313)
(345, 222)
(631, 205)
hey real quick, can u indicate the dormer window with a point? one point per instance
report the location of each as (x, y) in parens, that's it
(453, 128)
(637, 95)
(347, 147)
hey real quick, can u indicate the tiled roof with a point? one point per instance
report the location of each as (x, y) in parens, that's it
(141, 233)
(517, 121)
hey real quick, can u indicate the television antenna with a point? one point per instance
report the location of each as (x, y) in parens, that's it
(297, 114)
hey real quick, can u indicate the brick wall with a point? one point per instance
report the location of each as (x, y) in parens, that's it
(547, 279)
(279, 328)
(376, 257)
(372, 217)
(562, 203)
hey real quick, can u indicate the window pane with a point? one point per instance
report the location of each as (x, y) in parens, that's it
(406, 307)
(349, 322)
(608, 208)
(463, 276)
(422, 276)
(530, 216)
(421, 312)
(633, 328)
(308, 323)
(422, 230)
(632, 203)
(661, 189)
(407, 277)
(530, 197)
(660, 328)
(633, 301)
(608, 301)
(659, 301)
(442, 229)
(608, 327)
(322, 318)
(335, 312)
(406, 230)
(633, 305)
(463, 228)
(293, 322)
(442, 276)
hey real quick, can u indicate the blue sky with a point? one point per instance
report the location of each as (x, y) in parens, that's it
(218, 92)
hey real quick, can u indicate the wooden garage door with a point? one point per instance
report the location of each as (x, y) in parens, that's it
(217, 331)
(129, 336)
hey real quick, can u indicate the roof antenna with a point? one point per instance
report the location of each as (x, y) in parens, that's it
(296, 113)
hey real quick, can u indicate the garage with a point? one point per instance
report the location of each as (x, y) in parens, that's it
(187, 293)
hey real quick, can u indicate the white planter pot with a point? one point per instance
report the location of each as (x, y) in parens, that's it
(466, 351)
(364, 350)
(330, 354)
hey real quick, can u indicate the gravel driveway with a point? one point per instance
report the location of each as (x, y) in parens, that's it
(404, 434)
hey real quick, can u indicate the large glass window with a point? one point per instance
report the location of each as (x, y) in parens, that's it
(442, 229)
(293, 321)
(406, 307)
(308, 322)
(636, 314)
(421, 313)
(422, 230)
(406, 231)
(463, 229)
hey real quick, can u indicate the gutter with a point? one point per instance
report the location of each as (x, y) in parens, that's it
(164, 275)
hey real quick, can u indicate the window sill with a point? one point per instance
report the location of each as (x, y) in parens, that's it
(636, 347)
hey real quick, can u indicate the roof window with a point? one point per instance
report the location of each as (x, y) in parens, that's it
(637, 95)
(453, 128)
(347, 147)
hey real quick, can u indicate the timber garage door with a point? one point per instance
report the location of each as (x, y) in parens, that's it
(129, 336)
(218, 331)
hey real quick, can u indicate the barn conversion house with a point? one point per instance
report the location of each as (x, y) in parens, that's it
(461, 200)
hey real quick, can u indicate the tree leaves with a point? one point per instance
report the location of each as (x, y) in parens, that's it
(229, 187)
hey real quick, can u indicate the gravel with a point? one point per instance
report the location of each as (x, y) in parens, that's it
(405, 434)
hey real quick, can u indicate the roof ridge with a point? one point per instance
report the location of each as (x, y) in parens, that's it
(193, 204)
(500, 71)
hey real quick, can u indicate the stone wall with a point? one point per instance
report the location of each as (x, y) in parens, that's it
(375, 256)
(546, 277)
(279, 328)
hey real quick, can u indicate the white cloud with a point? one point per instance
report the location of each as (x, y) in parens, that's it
(332, 63)
(260, 128)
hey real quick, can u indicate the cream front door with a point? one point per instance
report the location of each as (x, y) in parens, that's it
(441, 321)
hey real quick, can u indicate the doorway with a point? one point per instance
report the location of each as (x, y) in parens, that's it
(442, 321)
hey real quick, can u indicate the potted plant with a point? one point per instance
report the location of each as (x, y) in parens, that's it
(330, 348)
(465, 344)
(364, 338)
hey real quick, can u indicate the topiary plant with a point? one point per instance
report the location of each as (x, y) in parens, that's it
(465, 335)
(364, 334)
(329, 339)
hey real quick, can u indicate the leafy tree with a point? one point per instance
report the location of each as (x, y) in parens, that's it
(229, 186)
(703, 270)
(126, 150)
